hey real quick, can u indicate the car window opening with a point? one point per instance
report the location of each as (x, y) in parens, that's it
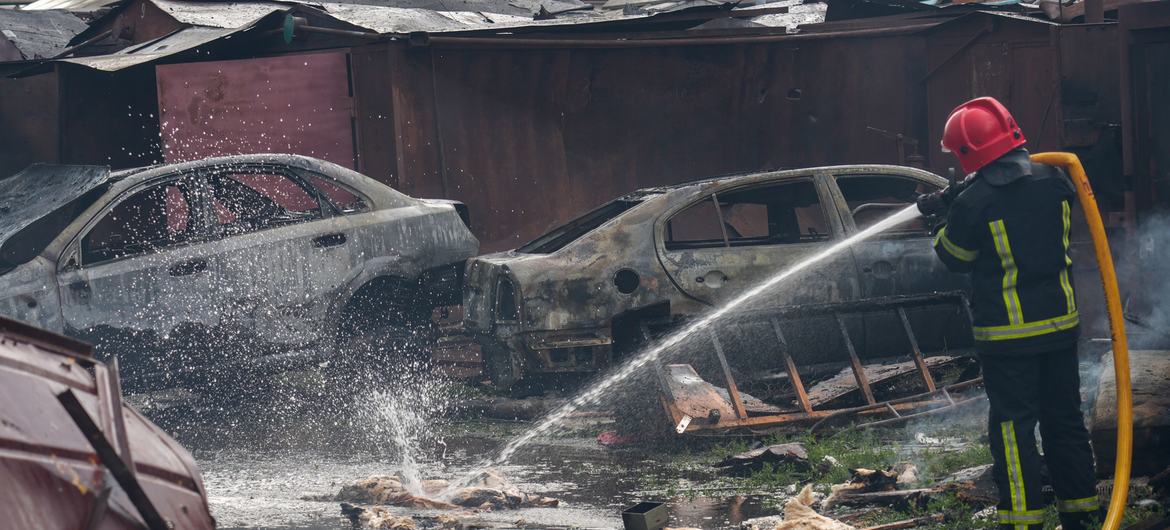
(346, 200)
(153, 219)
(575, 229)
(776, 214)
(247, 202)
(871, 198)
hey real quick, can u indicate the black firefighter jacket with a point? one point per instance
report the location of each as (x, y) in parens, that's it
(1009, 229)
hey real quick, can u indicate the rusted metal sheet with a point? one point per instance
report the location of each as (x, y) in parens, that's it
(51, 476)
(1145, 107)
(419, 153)
(583, 122)
(374, 114)
(288, 104)
(127, 117)
(584, 125)
(36, 34)
(1007, 58)
(892, 387)
(29, 121)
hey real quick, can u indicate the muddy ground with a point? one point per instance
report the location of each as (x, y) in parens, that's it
(277, 461)
(285, 478)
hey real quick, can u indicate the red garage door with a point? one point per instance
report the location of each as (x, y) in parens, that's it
(297, 104)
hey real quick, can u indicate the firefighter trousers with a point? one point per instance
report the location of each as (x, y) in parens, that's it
(1025, 390)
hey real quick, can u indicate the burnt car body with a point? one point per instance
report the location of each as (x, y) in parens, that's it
(575, 298)
(257, 261)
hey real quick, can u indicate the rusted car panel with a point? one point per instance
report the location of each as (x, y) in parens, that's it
(573, 299)
(266, 251)
(50, 473)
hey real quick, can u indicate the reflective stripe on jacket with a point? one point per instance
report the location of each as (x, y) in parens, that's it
(1010, 229)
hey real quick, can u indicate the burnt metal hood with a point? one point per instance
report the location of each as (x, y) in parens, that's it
(45, 195)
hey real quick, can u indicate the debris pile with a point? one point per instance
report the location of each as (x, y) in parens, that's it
(382, 518)
(754, 460)
(882, 487)
(490, 491)
(798, 515)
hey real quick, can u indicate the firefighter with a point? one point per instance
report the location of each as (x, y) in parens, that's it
(1007, 225)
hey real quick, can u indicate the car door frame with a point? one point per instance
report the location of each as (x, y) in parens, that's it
(846, 215)
(70, 260)
(818, 178)
(876, 340)
(329, 212)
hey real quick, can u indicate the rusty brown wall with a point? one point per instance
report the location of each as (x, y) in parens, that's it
(1146, 98)
(28, 121)
(138, 22)
(1015, 63)
(298, 103)
(531, 138)
(108, 118)
(374, 113)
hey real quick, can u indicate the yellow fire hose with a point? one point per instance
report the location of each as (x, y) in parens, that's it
(1124, 457)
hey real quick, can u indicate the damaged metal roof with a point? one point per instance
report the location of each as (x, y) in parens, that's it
(209, 22)
(225, 15)
(37, 34)
(180, 41)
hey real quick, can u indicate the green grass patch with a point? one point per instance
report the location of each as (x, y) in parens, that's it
(938, 463)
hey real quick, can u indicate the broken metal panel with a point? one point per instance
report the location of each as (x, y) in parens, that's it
(37, 34)
(180, 41)
(50, 474)
(230, 15)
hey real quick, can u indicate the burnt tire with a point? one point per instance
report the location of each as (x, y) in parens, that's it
(499, 368)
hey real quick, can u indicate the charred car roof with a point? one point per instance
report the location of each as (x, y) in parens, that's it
(43, 199)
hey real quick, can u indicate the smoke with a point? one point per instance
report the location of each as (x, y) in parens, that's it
(1142, 267)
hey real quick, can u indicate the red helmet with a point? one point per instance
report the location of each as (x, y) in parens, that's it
(980, 131)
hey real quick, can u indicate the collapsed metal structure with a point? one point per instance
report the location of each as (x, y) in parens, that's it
(695, 405)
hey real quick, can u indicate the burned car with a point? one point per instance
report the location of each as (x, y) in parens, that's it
(575, 298)
(250, 261)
